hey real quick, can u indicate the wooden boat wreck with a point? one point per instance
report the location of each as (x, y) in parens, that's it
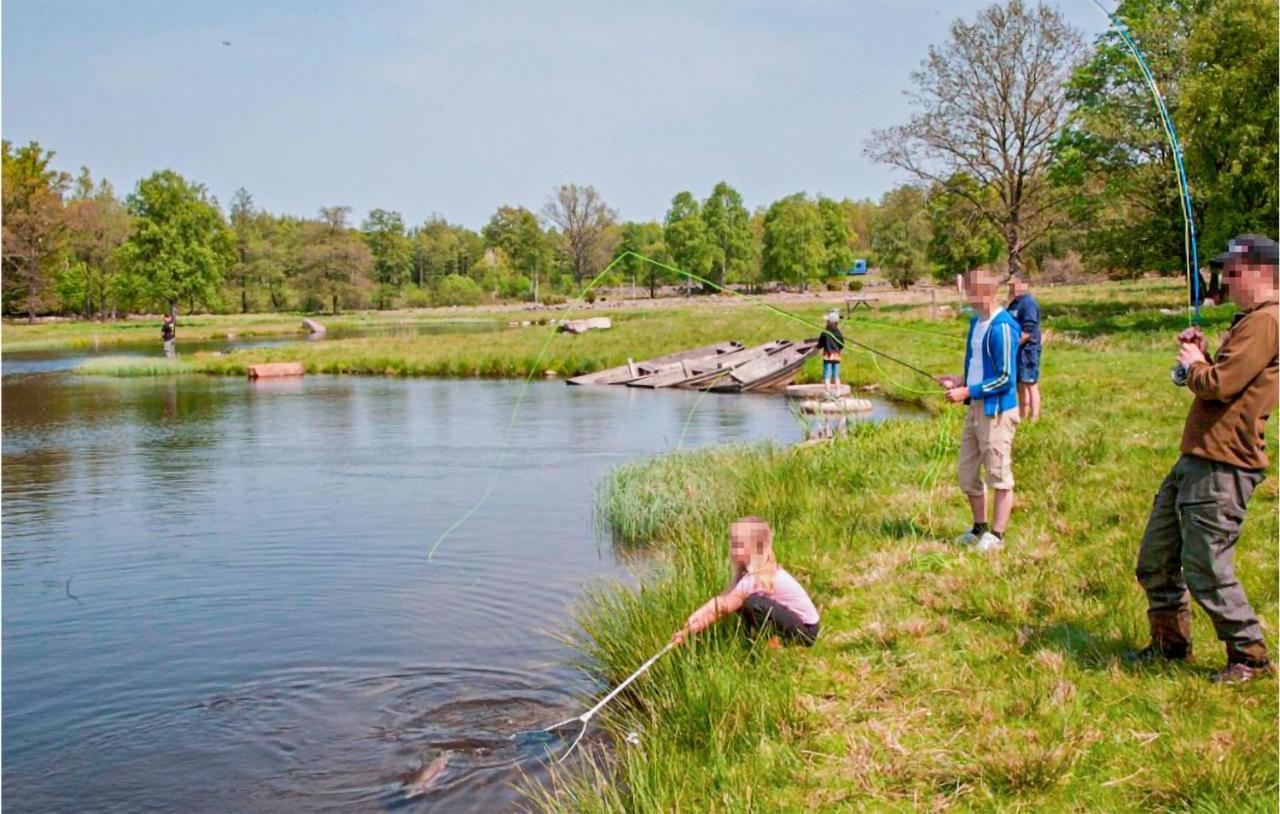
(649, 367)
(772, 372)
(691, 373)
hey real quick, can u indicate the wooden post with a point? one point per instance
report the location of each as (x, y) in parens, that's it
(933, 303)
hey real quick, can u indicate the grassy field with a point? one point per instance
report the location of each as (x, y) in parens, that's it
(944, 679)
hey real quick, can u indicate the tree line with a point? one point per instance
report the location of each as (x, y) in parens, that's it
(1026, 149)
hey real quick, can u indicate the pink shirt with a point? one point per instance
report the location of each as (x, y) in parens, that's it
(786, 592)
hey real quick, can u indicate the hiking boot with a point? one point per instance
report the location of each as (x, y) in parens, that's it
(1154, 652)
(1170, 637)
(967, 539)
(989, 542)
(1240, 672)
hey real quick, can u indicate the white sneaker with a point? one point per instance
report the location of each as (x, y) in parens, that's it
(967, 539)
(990, 542)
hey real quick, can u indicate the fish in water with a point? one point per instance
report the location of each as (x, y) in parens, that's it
(423, 780)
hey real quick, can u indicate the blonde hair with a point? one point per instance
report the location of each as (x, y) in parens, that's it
(762, 565)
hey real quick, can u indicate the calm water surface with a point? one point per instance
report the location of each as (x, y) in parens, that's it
(217, 595)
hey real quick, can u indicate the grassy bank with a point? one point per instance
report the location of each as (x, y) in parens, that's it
(69, 335)
(943, 679)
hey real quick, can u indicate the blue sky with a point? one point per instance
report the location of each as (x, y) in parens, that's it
(458, 108)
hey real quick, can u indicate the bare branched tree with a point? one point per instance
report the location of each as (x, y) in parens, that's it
(583, 219)
(990, 102)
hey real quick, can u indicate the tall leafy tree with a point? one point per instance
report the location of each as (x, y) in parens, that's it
(517, 233)
(244, 232)
(392, 253)
(835, 237)
(180, 247)
(336, 262)
(795, 250)
(583, 219)
(645, 239)
(729, 233)
(990, 103)
(97, 225)
(901, 233)
(1228, 119)
(685, 233)
(34, 224)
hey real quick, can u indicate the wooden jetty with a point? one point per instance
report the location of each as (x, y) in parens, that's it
(672, 361)
(694, 373)
(772, 372)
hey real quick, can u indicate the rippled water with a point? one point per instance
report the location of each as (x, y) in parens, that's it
(217, 595)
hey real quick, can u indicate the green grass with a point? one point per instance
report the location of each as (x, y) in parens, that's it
(943, 679)
(128, 366)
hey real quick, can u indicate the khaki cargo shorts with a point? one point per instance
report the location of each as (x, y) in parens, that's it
(987, 442)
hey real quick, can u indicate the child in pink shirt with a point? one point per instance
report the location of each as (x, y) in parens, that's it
(759, 589)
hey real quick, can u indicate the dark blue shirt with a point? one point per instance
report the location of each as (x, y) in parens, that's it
(1026, 310)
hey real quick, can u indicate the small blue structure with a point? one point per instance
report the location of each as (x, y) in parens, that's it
(859, 268)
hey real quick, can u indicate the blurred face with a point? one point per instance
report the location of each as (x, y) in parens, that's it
(746, 540)
(1248, 284)
(1017, 288)
(980, 287)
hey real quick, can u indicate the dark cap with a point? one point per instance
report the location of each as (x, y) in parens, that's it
(1251, 249)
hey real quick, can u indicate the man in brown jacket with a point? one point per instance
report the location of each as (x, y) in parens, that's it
(1187, 548)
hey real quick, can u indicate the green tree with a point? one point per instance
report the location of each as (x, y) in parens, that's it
(729, 232)
(685, 233)
(835, 237)
(244, 227)
(644, 239)
(392, 252)
(1228, 119)
(516, 232)
(336, 262)
(180, 247)
(97, 225)
(901, 235)
(961, 238)
(795, 250)
(34, 224)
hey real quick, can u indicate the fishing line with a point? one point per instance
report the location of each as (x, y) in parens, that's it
(506, 443)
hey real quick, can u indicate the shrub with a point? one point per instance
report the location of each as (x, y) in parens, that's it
(457, 290)
(553, 299)
(835, 283)
(855, 285)
(416, 297)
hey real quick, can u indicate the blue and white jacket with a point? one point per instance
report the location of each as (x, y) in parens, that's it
(998, 388)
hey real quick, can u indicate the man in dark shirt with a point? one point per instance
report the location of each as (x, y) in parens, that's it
(1024, 308)
(1189, 543)
(169, 333)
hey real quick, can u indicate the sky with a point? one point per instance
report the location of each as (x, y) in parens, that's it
(455, 109)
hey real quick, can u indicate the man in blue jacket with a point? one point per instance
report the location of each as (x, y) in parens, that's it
(1024, 308)
(989, 387)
